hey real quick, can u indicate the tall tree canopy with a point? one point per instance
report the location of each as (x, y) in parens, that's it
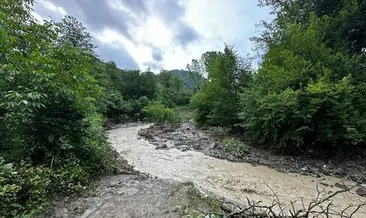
(70, 30)
(217, 102)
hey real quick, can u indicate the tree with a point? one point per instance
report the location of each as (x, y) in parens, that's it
(306, 94)
(217, 102)
(345, 21)
(51, 137)
(136, 84)
(195, 70)
(171, 90)
(70, 30)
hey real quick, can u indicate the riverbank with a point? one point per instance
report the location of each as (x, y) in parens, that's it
(138, 195)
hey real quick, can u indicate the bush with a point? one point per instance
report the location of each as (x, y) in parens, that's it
(236, 148)
(48, 114)
(273, 120)
(157, 112)
(133, 108)
(323, 116)
(306, 95)
(23, 190)
(202, 105)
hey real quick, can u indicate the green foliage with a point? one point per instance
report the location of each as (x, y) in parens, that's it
(157, 112)
(217, 103)
(23, 190)
(171, 91)
(54, 94)
(307, 92)
(192, 79)
(49, 117)
(185, 113)
(134, 84)
(272, 118)
(134, 108)
(72, 31)
(235, 147)
(202, 104)
(110, 103)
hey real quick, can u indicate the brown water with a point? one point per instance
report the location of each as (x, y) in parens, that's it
(232, 181)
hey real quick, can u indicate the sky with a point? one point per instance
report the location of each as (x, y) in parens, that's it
(160, 34)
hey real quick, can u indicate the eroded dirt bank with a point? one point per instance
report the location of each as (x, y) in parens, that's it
(230, 180)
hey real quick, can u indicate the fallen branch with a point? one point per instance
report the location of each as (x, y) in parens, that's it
(317, 208)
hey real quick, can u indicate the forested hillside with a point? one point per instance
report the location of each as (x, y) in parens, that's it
(192, 79)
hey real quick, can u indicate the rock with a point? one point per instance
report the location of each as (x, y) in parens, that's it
(305, 168)
(341, 186)
(161, 147)
(323, 183)
(184, 148)
(113, 184)
(361, 191)
(196, 146)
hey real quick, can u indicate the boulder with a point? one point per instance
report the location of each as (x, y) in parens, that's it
(161, 147)
(361, 191)
(341, 186)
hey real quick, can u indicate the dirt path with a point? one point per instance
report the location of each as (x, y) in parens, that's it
(229, 180)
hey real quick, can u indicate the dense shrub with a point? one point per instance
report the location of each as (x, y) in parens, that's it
(159, 113)
(273, 119)
(171, 91)
(134, 108)
(202, 104)
(23, 189)
(235, 147)
(49, 118)
(306, 95)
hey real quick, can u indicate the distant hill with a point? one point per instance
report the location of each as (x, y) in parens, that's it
(184, 75)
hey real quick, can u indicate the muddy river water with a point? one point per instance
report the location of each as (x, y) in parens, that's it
(228, 180)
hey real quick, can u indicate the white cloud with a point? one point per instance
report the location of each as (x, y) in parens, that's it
(232, 22)
(140, 52)
(153, 32)
(53, 7)
(209, 23)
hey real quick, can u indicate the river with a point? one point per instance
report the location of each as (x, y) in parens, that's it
(228, 180)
